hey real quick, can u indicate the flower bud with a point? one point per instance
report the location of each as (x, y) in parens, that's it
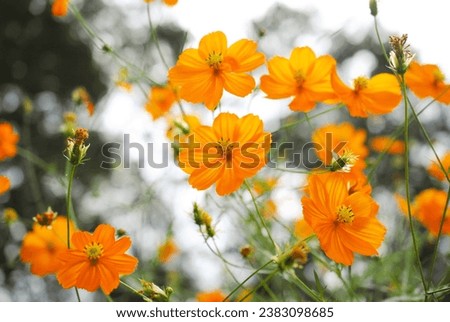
(373, 7)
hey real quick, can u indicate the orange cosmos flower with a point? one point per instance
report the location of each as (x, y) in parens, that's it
(122, 80)
(5, 184)
(427, 80)
(345, 223)
(386, 143)
(60, 8)
(302, 229)
(303, 76)
(341, 147)
(167, 250)
(435, 169)
(264, 185)
(213, 296)
(96, 260)
(160, 100)
(81, 97)
(230, 151)
(377, 95)
(204, 73)
(428, 207)
(167, 2)
(8, 141)
(42, 246)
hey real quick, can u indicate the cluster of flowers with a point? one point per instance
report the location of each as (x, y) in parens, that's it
(337, 203)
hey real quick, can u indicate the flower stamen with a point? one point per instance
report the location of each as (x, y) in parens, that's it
(345, 214)
(360, 83)
(93, 251)
(214, 60)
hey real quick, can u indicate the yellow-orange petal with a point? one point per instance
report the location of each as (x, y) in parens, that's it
(89, 277)
(302, 58)
(105, 235)
(215, 42)
(229, 181)
(238, 84)
(224, 126)
(5, 184)
(60, 8)
(109, 278)
(242, 56)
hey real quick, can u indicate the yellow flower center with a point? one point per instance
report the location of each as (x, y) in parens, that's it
(299, 77)
(360, 83)
(93, 251)
(345, 214)
(226, 149)
(438, 76)
(214, 60)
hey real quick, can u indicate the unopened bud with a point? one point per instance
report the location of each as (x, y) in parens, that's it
(373, 7)
(46, 218)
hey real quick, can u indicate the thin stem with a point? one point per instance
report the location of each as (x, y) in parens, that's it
(37, 161)
(131, 288)
(379, 39)
(70, 214)
(428, 139)
(305, 288)
(154, 35)
(308, 118)
(263, 222)
(261, 284)
(407, 179)
(248, 278)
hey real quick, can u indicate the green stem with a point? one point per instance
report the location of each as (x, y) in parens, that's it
(154, 35)
(248, 278)
(261, 284)
(379, 39)
(131, 288)
(305, 288)
(69, 209)
(263, 222)
(308, 118)
(407, 179)
(428, 139)
(37, 161)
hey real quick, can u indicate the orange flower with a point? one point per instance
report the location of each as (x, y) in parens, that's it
(344, 223)
(435, 169)
(96, 260)
(303, 76)
(230, 151)
(336, 143)
(60, 8)
(42, 246)
(269, 209)
(213, 296)
(428, 207)
(385, 143)
(81, 96)
(203, 73)
(160, 100)
(122, 80)
(167, 250)
(427, 80)
(302, 229)
(167, 2)
(264, 185)
(5, 184)
(377, 95)
(8, 141)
